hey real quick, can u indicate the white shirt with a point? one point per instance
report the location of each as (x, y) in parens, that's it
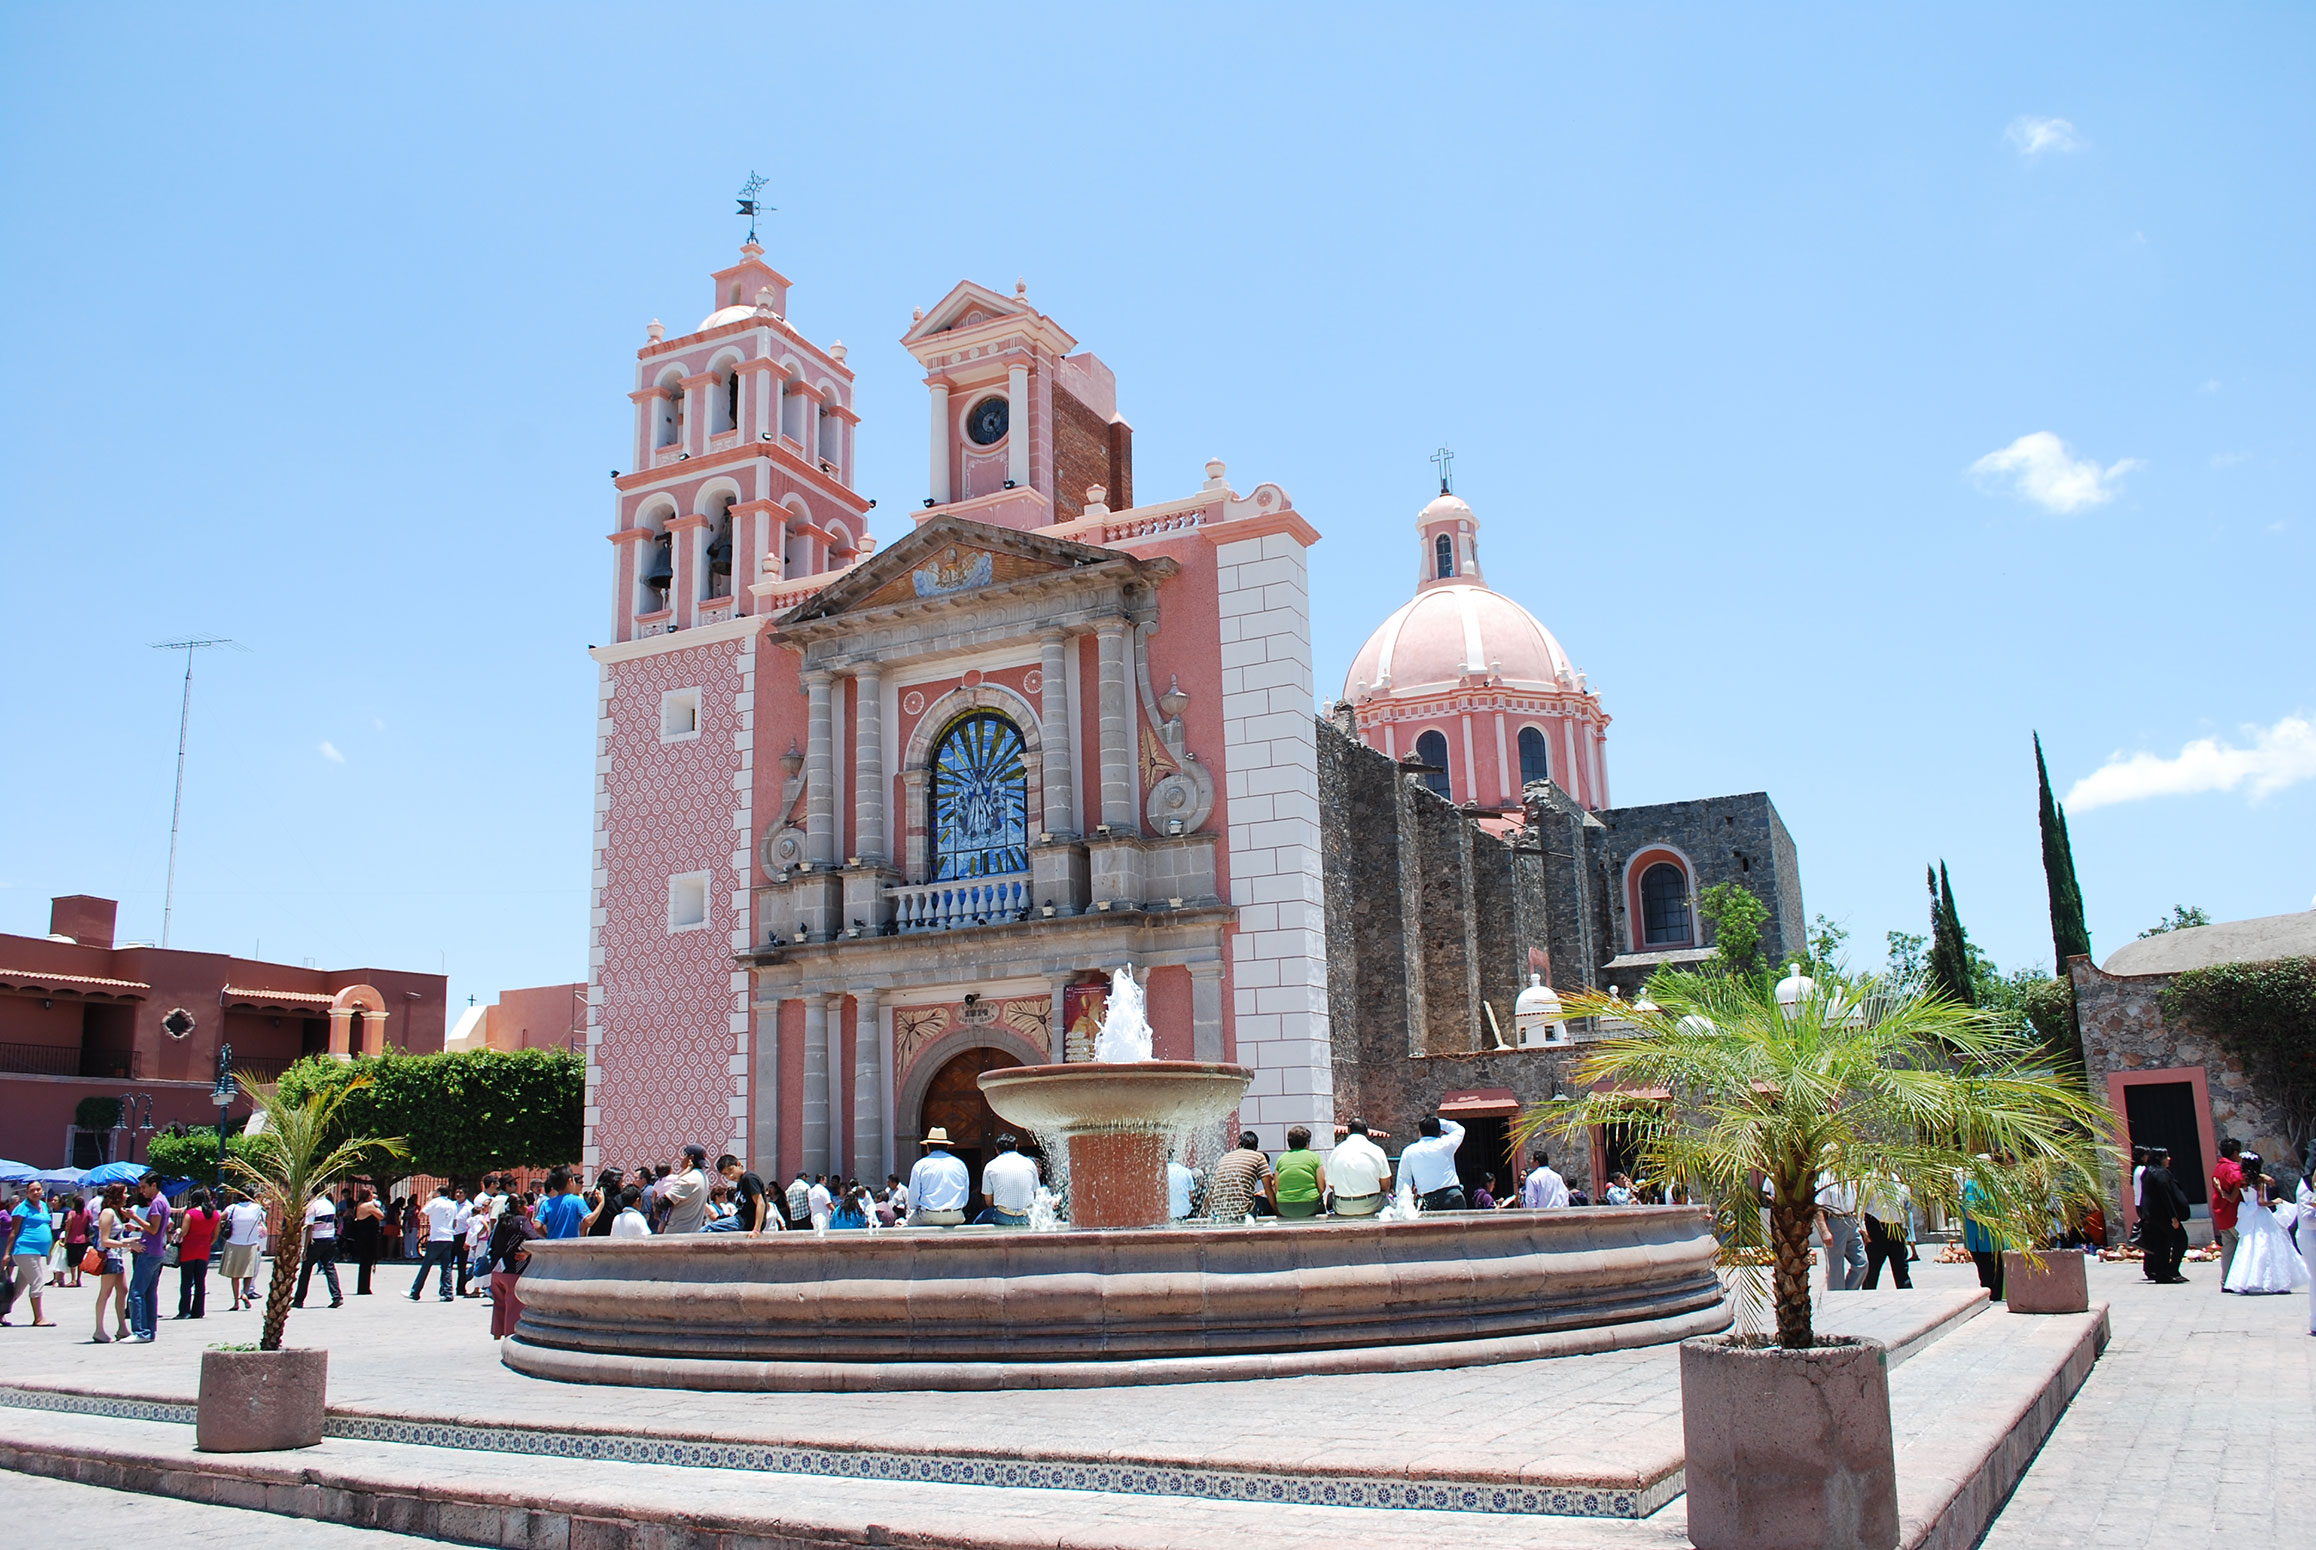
(821, 1203)
(244, 1223)
(1179, 1179)
(1430, 1164)
(900, 1199)
(1835, 1197)
(1545, 1189)
(441, 1217)
(1357, 1167)
(1010, 1182)
(479, 1218)
(940, 1182)
(322, 1218)
(631, 1223)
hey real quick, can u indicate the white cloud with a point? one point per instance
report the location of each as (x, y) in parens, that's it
(2211, 384)
(2279, 756)
(2041, 469)
(2033, 136)
(2229, 459)
(330, 752)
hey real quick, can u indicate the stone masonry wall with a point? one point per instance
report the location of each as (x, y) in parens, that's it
(1731, 839)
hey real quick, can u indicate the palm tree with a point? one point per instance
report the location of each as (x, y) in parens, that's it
(1723, 1088)
(293, 1155)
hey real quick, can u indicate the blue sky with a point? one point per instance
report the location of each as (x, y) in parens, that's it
(1852, 391)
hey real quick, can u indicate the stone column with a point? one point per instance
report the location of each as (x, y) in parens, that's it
(341, 1033)
(868, 1066)
(1117, 730)
(819, 771)
(1059, 1026)
(1206, 1011)
(1054, 734)
(762, 397)
(779, 406)
(764, 1143)
(869, 796)
(1017, 423)
(815, 1137)
(373, 1033)
(695, 437)
(834, 1149)
(939, 488)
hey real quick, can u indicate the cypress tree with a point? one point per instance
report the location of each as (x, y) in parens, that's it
(1949, 962)
(2070, 937)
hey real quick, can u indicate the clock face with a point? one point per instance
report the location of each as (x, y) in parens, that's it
(986, 421)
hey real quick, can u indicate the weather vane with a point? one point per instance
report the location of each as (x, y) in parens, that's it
(750, 205)
(1446, 462)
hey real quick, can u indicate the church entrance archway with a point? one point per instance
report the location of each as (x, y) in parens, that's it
(953, 1101)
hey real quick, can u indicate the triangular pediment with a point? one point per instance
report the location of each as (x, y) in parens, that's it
(967, 306)
(945, 557)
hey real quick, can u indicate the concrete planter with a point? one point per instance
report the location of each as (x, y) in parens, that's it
(1789, 1450)
(261, 1401)
(2058, 1287)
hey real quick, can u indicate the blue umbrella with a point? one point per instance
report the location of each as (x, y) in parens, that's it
(113, 1173)
(61, 1178)
(16, 1172)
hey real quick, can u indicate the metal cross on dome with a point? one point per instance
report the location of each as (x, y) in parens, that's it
(750, 205)
(1446, 462)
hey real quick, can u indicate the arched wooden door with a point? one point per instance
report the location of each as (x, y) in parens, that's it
(953, 1101)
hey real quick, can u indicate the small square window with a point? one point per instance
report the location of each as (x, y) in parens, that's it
(679, 715)
(687, 901)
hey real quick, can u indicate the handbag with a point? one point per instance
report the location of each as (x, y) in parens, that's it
(169, 1253)
(93, 1262)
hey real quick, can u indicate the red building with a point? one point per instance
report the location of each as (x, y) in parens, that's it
(82, 1018)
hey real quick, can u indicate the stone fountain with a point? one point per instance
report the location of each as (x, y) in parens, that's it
(1123, 1296)
(1119, 1117)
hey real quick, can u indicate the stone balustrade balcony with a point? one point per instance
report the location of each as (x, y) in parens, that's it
(966, 901)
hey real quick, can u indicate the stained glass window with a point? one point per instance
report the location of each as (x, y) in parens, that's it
(1535, 764)
(980, 800)
(1431, 749)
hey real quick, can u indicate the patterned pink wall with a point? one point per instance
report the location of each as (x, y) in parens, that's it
(667, 1003)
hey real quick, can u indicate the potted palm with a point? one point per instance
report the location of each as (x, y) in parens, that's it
(264, 1398)
(1753, 1098)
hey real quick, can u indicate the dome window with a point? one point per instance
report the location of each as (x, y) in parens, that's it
(1431, 749)
(1535, 760)
(1443, 550)
(1664, 893)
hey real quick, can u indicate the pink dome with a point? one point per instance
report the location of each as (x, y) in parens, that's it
(1447, 633)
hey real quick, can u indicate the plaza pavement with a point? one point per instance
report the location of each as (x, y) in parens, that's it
(2188, 1432)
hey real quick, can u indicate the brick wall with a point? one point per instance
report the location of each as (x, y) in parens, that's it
(1088, 449)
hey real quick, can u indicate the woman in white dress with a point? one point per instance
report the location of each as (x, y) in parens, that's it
(2265, 1263)
(2306, 1202)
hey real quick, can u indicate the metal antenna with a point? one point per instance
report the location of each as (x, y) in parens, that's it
(750, 204)
(184, 718)
(1446, 462)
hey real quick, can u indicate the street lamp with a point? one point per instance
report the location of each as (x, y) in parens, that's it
(221, 1094)
(132, 1122)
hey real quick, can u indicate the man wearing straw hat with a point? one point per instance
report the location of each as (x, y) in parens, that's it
(939, 1184)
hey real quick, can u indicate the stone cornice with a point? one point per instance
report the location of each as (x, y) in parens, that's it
(1037, 947)
(1072, 600)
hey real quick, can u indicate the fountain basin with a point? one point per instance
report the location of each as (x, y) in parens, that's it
(1118, 1122)
(985, 1308)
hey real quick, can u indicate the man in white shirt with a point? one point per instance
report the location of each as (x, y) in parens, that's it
(821, 1201)
(1180, 1181)
(631, 1222)
(1358, 1173)
(442, 1241)
(938, 1184)
(1009, 1183)
(1545, 1189)
(321, 1249)
(1429, 1165)
(1845, 1245)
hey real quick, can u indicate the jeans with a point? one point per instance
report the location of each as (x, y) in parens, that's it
(438, 1252)
(144, 1280)
(1845, 1254)
(192, 1288)
(324, 1253)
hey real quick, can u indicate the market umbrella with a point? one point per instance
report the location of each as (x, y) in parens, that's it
(113, 1173)
(60, 1178)
(16, 1172)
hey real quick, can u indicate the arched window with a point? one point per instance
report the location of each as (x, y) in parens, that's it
(671, 414)
(1535, 762)
(980, 795)
(729, 420)
(719, 577)
(1664, 906)
(1444, 554)
(655, 573)
(1431, 749)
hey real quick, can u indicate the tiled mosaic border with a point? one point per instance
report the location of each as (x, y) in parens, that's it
(1064, 1475)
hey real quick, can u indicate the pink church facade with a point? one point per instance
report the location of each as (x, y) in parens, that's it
(868, 822)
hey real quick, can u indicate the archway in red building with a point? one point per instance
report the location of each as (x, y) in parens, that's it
(953, 1102)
